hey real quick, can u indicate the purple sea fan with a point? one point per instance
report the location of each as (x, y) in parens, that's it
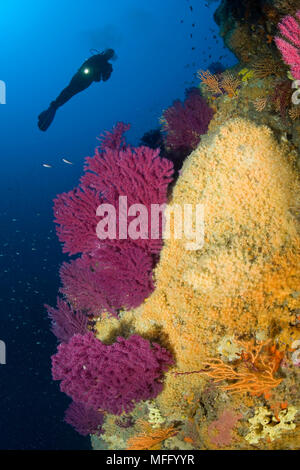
(289, 47)
(110, 377)
(66, 322)
(109, 281)
(185, 123)
(140, 175)
(85, 420)
(282, 97)
(75, 214)
(115, 170)
(114, 139)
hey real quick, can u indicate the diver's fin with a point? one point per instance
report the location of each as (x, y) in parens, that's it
(46, 117)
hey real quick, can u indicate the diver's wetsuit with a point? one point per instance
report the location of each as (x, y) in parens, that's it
(94, 69)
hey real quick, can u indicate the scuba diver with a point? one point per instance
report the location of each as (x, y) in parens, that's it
(94, 69)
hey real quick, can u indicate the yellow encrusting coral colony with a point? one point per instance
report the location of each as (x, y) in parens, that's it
(228, 311)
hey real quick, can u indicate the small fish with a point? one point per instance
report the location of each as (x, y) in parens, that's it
(46, 165)
(67, 161)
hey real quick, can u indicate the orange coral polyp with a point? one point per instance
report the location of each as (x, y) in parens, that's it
(151, 439)
(255, 374)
